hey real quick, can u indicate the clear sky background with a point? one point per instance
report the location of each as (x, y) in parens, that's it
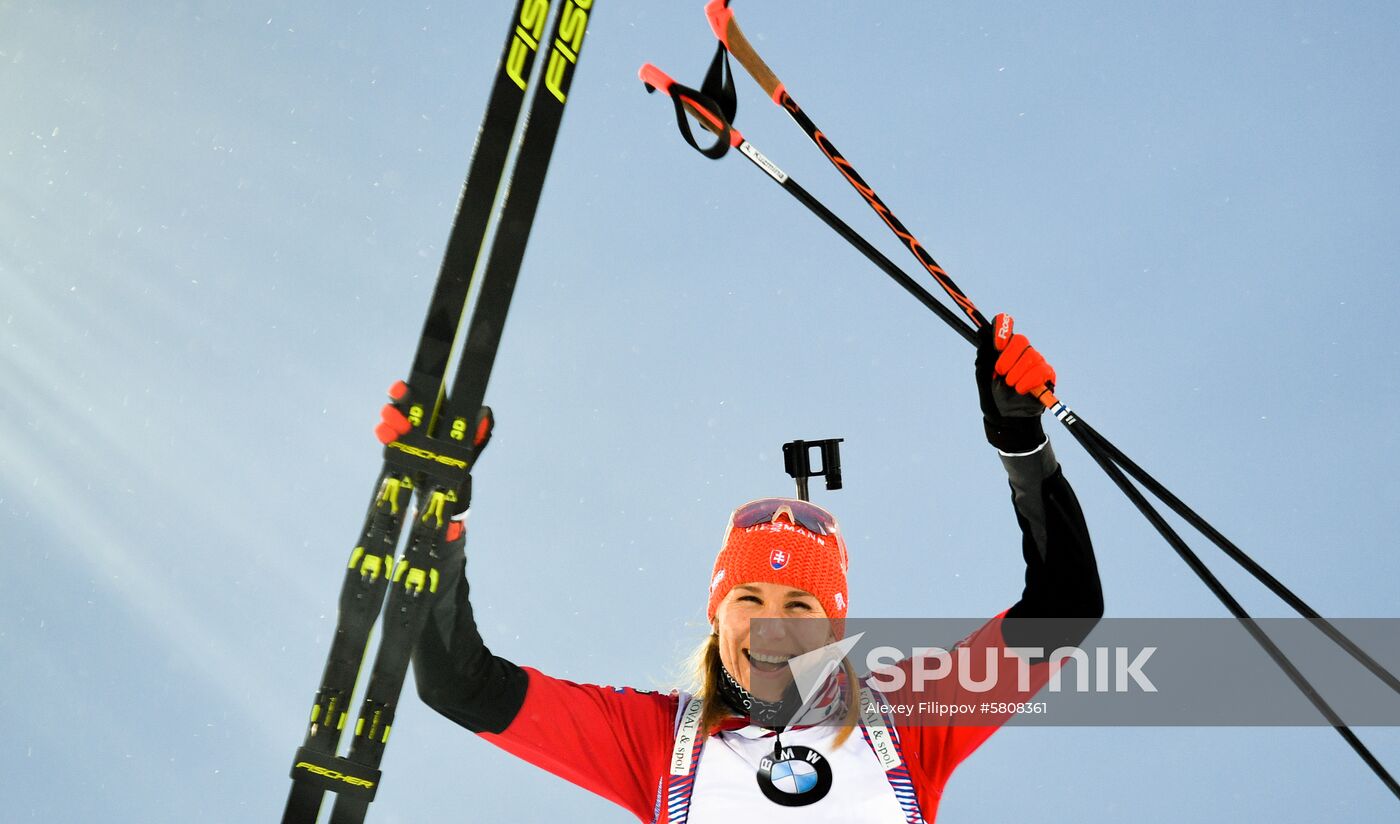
(221, 222)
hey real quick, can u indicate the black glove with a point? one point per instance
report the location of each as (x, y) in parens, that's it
(1010, 411)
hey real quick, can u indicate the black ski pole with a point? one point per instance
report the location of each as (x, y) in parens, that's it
(1244, 560)
(1105, 462)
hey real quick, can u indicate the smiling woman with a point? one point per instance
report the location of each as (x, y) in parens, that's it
(750, 740)
(793, 560)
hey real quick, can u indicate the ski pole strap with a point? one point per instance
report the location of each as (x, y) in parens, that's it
(700, 105)
(719, 84)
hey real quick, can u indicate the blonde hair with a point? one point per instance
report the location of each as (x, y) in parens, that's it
(705, 669)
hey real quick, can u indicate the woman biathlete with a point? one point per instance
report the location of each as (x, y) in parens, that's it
(744, 744)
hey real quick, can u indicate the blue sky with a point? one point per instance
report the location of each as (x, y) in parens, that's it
(223, 220)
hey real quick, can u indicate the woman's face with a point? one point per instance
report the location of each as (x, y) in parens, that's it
(757, 657)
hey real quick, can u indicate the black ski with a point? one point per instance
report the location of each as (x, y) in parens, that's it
(315, 768)
(414, 589)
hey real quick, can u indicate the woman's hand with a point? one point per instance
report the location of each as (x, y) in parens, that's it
(1010, 376)
(394, 423)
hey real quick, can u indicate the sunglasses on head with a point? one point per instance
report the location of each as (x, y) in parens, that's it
(805, 514)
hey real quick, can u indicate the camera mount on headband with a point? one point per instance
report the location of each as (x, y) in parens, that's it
(797, 460)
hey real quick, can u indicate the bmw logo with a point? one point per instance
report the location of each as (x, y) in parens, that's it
(794, 776)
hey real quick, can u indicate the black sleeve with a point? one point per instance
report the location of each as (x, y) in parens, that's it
(1063, 598)
(455, 672)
